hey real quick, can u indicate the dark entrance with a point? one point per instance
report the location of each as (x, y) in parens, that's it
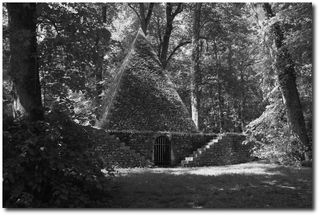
(162, 151)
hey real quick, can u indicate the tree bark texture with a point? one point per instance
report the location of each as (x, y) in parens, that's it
(24, 69)
(242, 100)
(219, 88)
(194, 86)
(287, 80)
(102, 38)
(220, 100)
(170, 15)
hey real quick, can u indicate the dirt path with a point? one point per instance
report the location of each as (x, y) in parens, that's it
(249, 185)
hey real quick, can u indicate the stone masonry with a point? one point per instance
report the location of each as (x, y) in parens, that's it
(224, 150)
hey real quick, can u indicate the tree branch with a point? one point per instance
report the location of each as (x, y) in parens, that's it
(142, 9)
(149, 12)
(130, 6)
(144, 20)
(176, 48)
(159, 37)
(178, 10)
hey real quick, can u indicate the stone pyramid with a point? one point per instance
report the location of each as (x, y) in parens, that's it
(142, 97)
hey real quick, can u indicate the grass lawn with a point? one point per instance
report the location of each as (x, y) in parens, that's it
(249, 185)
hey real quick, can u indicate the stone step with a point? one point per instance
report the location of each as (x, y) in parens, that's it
(199, 151)
(195, 155)
(214, 141)
(202, 155)
(183, 163)
(218, 151)
(188, 159)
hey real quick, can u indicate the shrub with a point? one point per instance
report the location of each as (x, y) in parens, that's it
(52, 163)
(273, 139)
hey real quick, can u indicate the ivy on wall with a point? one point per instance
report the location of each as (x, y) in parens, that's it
(143, 97)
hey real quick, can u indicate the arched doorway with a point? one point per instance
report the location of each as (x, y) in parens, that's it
(162, 151)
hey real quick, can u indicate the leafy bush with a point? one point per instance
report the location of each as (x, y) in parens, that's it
(52, 163)
(272, 137)
(75, 104)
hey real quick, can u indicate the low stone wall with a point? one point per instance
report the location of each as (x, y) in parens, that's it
(115, 153)
(228, 149)
(136, 148)
(185, 144)
(181, 144)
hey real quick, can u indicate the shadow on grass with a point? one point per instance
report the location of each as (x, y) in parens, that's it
(280, 188)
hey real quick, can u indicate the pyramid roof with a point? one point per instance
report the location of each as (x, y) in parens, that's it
(143, 98)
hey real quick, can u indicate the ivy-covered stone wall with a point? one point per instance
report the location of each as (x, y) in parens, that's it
(228, 149)
(181, 144)
(185, 144)
(115, 153)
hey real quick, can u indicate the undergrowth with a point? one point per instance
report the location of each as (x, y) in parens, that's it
(52, 163)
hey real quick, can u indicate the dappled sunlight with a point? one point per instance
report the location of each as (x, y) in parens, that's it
(249, 185)
(155, 105)
(278, 184)
(256, 168)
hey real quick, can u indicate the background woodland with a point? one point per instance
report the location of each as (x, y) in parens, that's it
(237, 67)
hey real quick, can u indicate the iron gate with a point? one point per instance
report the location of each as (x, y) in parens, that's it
(162, 151)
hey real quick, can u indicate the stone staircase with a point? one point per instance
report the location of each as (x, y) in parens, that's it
(193, 159)
(223, 150)
(117, 153)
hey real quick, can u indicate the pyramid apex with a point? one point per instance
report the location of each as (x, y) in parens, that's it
(142, 96)
(140, 32)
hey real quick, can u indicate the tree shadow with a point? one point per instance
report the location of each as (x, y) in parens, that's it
(279, 188)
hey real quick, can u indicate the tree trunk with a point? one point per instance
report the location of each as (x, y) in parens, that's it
(166, 36)
(104, 14)
(169, 27)
(145, 18)
(24, 69)
(286, 76)
(220, 100)
(194, 87)
(102, 38)
(219, 89)
(242, 101)
(99, 76)
(99, 58)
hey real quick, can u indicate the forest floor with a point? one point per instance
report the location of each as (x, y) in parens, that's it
(248, 185)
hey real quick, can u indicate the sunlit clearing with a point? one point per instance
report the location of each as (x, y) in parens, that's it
(244, 169)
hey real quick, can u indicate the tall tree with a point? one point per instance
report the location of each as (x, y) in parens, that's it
(75, 38)
(102, 40)
(285, 70)
(167, 33)
(195, 76)
(144, 13)
(24, 69)
(170, 15)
